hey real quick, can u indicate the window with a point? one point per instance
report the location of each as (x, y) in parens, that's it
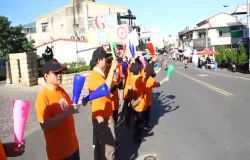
(202, 33)
(223, 32)
(237, 33)
(45, 27)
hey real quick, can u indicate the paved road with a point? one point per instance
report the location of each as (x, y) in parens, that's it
(197, 115)
(212, 121)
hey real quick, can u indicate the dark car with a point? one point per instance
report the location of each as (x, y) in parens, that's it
(2, 68)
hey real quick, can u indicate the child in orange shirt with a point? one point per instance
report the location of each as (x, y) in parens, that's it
(137, 87)
(150, 84)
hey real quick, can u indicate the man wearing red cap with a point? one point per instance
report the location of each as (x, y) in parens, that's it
(55, 114)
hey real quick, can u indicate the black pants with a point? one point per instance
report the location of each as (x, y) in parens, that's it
(74, 156)
(104, 139)
(147, 116)
(115, 116)
(126, 112)
(139, 125)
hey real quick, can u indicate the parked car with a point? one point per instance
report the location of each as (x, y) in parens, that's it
(2, 68)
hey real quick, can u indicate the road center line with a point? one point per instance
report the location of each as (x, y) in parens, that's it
(206, 84)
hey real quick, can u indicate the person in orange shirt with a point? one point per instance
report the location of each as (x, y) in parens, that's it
(137, 82)
(114, 90)
(102, 111)
(55, 111)
(10, 150)
(129, 97)
(150, 84)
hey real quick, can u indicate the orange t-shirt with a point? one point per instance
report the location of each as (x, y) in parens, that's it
(119, 67)
(61, 141)
(150, 84)
(101, 106)
(127, 83)
(2, 152)
(138, 85)
(115, 99)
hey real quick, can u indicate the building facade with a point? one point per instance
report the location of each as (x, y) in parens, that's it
(67, 28)
(219, 30)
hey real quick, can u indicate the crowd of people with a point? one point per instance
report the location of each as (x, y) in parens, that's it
(129, 80)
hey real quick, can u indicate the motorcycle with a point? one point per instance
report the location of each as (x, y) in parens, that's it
(185, 63)
(233, 67)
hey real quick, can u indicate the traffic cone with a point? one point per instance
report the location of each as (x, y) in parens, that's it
(20, 116)
(142, 59)
(170, 70)
(101, 91)
(124, 68)
(132, 50)
(150, 47)
(78, 84)
(114, 45)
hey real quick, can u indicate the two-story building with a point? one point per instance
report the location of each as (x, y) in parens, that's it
(67, 28)
(219, 30)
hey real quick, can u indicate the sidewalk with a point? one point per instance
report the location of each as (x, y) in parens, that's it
(220, 72)
(227, 73)
(34, 139)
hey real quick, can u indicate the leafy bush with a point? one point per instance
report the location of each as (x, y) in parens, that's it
(74, 67)
(221, 58)
(232, 55)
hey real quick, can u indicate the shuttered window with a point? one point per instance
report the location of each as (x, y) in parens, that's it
(223, 32)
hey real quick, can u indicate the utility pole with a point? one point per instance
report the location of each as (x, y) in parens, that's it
(109, 7)
(74, 26)
(248, 35)
(206, 38)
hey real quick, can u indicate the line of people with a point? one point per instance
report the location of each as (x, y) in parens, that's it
(135, 83)
(55, 110)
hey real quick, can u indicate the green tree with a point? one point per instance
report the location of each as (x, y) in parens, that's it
(221, 57)
(231, 54)
(12, 40)
(243, 58)
(29, 46)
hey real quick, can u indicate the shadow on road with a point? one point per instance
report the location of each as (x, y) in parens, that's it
(162, 104)
(127, 148)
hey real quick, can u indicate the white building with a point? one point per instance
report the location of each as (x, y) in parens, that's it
(66, 29)
(219, 30)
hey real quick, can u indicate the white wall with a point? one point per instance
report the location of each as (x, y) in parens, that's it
(216, 40)
(221, 20)
(60, 22)
(65, 51)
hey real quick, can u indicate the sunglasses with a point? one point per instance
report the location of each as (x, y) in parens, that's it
(57, 73)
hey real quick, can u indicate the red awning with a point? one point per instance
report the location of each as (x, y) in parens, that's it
(207, 52)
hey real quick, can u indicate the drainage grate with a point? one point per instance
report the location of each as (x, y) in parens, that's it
(150, 158)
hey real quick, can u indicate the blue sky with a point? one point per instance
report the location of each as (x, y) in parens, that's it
(170, 15)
